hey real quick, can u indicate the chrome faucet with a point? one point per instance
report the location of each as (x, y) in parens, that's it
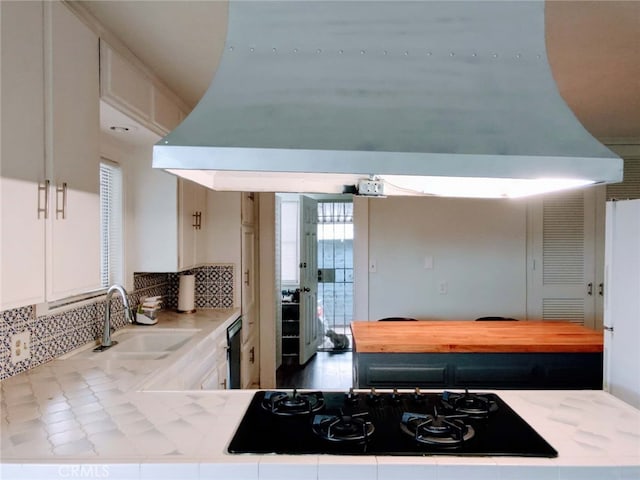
(106, 334)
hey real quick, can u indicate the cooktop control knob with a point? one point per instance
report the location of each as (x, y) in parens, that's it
(351, 397)
(417, 395)
(373, 396)
(395, 396)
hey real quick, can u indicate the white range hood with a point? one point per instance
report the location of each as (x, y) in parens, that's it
(430, 97)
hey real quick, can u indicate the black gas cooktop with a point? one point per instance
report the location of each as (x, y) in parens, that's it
(389, 423)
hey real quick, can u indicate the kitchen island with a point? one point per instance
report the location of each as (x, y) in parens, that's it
(459, 354)
(73, 418)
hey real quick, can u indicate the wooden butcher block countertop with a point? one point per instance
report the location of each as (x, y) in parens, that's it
(474, 337)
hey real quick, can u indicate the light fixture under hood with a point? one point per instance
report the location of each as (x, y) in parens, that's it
(314, 96)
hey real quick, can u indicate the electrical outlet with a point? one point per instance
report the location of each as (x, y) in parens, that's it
(373, 188)
(20, 347)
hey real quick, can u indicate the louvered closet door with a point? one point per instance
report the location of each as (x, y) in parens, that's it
(561, 283)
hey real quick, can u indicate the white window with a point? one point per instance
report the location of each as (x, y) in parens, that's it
(110, 223)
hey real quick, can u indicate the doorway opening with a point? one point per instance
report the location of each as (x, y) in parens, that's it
(314, 243)
(335, 273)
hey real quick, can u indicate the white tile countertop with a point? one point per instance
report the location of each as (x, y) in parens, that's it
(73, 418)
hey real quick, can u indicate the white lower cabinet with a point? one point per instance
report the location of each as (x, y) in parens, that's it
(204, 367)
(250, 363)
(209, 371)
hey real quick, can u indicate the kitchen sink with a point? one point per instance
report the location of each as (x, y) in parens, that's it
(152, 341)
(139, 345)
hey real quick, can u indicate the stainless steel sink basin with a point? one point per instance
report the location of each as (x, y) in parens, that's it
(143, 345)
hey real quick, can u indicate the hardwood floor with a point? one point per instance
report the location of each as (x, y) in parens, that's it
(326, 370)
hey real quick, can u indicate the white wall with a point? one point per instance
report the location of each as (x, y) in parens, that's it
(224, 211)
(478, 248)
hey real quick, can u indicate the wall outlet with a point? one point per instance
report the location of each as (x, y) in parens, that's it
(372, 188)
(20, 347)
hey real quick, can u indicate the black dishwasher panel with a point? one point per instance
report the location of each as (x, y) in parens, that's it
(234, 339)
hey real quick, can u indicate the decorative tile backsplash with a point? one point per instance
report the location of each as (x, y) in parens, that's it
(55, 334)
(213, 288)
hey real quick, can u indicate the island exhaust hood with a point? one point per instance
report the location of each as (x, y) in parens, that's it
(452, 98)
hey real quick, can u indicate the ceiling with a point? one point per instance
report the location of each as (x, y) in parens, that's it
(593, 48)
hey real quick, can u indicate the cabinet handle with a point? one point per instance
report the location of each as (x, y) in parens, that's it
(252, 355)
(44, 188)
(601, 289)
(224, 384)
(61, 211)
(590, 288)
(197, 220)
(246, 277)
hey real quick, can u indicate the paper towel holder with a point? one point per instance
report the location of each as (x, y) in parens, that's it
(186, 293)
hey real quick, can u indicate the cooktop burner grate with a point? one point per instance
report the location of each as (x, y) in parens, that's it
(471, 404)
(384, 423)
(344, 428)
(283, 403)
(440, 430)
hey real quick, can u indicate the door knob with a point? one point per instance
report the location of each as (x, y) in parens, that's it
(306, 289)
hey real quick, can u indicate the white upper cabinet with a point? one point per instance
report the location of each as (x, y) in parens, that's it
(248, 201)
(22, 155)
(50, 133)
(123, 86)
(192, 224)
(172, 231)
(165, 114)
(72, 153)
(129, 89)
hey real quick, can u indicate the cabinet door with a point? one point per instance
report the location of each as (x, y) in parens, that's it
(186, 222)
(166, 114)
(201, 236)
(248, 288)
(217, 376)
(248, 208)
(72, 145)
(250, 325)
(22, 152)
(153, 235)
(124, 86)
(250, 363)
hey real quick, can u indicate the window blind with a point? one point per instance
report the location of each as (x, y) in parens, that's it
(111, 257)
